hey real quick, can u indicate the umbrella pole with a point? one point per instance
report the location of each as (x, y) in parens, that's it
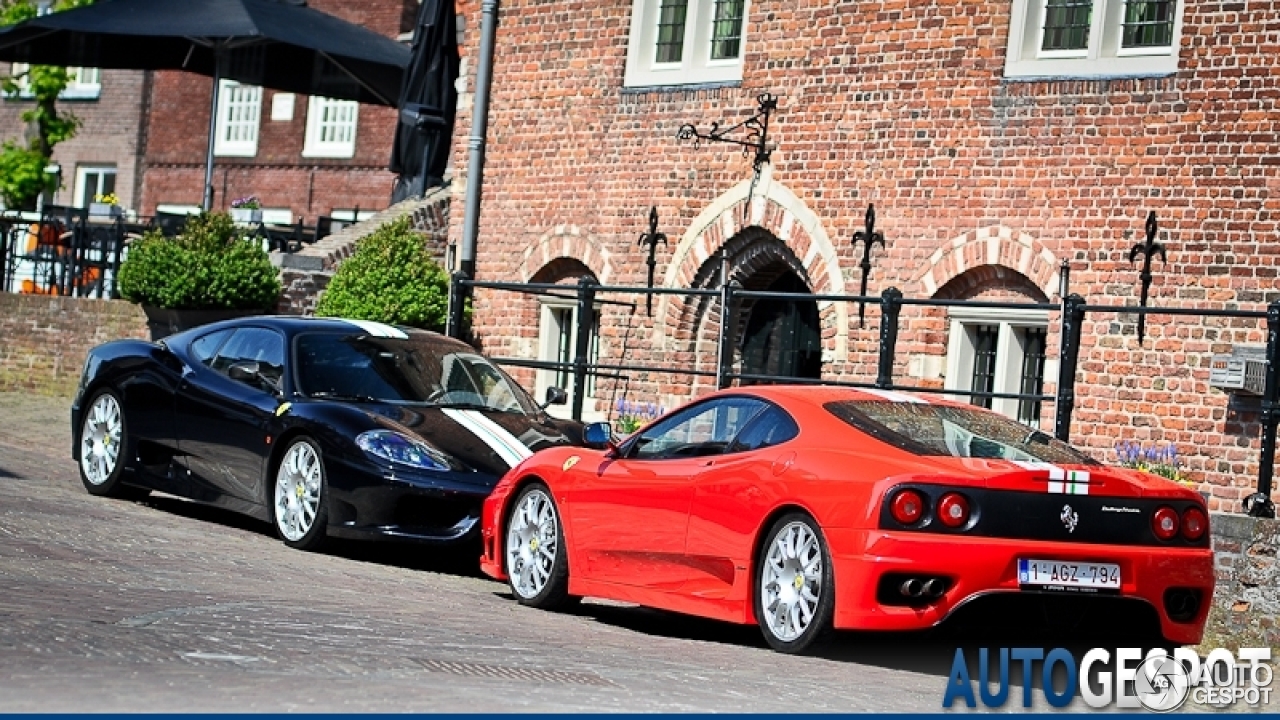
(213, 131)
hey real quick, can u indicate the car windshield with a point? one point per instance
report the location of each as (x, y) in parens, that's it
(927, 429)
(419, 369)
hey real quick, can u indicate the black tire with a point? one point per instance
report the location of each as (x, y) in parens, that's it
(104, 448)
(768, 593)
(522, 543)
(291, 489)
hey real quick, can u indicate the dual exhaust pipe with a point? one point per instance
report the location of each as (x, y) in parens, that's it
(916, 588)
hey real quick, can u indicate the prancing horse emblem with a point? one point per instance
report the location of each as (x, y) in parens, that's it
(1069, 518)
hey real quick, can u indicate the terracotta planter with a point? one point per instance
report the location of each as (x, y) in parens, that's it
(164, 322)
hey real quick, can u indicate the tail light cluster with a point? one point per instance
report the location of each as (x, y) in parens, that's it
(909, 507)
(1167, 524)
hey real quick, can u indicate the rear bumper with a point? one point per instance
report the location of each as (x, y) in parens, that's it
(977, 567)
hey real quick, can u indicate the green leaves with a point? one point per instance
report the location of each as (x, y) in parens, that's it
(208, 267)
(391, 278)
(22, 175)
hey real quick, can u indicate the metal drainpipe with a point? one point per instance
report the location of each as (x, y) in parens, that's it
(479, 127)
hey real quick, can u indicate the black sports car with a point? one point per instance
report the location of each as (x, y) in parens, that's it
(322, 427)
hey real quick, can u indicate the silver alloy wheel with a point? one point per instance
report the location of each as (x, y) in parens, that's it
(791, 581)
(298, 491)
(532, 544)
(100, 439)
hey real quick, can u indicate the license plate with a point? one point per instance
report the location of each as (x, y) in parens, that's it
(1068, 576)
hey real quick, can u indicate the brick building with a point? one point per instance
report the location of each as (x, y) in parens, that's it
(302, 156)
(103, 155)
(997, 139)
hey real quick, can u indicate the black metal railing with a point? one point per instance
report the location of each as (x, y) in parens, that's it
(1071, 315)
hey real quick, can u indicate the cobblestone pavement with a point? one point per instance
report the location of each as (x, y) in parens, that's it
(167, 606)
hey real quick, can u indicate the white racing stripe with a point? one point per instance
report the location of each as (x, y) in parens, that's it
(510, 449)
(378, 329)
(1061, 480)
(892, 396)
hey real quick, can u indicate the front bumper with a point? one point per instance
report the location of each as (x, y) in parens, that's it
(980, 566)
(367, 501)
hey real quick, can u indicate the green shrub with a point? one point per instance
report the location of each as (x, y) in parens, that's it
(209, 266)
(390, 278)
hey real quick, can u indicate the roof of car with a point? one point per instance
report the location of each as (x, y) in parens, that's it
(291, 324)
(819, 394)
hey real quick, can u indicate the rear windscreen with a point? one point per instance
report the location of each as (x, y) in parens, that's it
(925, 429)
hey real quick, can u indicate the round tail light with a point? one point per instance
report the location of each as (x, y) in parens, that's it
(953, 510)
(907, 507)
(1164, 523)
(1194, 523)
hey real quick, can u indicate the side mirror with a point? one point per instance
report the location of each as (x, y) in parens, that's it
(598, 436)
(555, 396)
(245, 371)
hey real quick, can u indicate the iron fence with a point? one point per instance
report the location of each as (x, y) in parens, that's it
(1071, 314)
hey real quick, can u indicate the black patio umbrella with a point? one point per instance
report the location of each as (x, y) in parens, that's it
(278, 44)
(428, 102)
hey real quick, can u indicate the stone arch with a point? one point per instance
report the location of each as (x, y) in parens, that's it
(995, 245)
(566, 242)
(775, 211)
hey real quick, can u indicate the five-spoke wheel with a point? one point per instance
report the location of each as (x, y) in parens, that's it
(535, 555)
(299, 506)
(103, 436)
(794, 587)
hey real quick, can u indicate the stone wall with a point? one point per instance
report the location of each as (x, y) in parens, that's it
(1246, 604)
(46, 338)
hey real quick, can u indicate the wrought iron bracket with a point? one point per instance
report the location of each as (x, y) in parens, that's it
(869, 237)
(754, 143)
(652, 238)
(1148, 250)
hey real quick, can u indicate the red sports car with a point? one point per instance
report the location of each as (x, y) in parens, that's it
(805, 508)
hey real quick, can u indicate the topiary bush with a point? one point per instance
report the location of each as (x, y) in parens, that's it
(210, 266)
(390, 278)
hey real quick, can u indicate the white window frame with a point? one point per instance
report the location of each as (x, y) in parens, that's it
(316, 144)
(549, 333)
(1103, 58)
(82, 173)
(178, 209)
(696, 65)
(90, 89)
(1010, 351)
(245, 101)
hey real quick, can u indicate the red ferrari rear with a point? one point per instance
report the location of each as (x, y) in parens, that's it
(808, 508)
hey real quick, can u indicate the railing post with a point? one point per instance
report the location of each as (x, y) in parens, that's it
(724, 352)
(457, 305)
(890, 307)
(1068, 356)
(582, 346)
(1259, 504)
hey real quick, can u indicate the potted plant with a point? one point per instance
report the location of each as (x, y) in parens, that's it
(246, 209)
(107, 206)
(210, 272)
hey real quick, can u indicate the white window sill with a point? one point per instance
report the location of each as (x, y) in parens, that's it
(235, 152)
(1133, 66)
(338, 154)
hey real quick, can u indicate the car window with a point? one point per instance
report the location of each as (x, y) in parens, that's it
(771, 427)
(704, 429)
(204, 347)
(260, 345)
(928, 429)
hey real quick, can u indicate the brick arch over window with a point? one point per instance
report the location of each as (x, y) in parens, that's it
(990, 246)
(775, 212)
(566, 242)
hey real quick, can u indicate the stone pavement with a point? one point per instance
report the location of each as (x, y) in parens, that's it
(166, 606)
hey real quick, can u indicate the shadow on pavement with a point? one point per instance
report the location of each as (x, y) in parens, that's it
(6, 474)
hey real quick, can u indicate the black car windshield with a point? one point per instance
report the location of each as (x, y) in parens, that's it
(419, 369)
(927, 429)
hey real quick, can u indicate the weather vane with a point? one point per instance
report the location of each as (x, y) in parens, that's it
(869, 237)
(1148, 250)
(652, 238)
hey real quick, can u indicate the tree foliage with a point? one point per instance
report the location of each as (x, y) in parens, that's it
(22, 176)
(390, 278)
(209, 266)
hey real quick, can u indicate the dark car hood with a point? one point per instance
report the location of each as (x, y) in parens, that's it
(486, 441)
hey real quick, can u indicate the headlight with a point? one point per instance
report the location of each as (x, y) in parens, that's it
(401, 449)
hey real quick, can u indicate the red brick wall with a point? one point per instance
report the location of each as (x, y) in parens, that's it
(904, 105)
(178, 136)
(108, 134)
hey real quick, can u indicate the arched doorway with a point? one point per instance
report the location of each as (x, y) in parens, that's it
(781, 337)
